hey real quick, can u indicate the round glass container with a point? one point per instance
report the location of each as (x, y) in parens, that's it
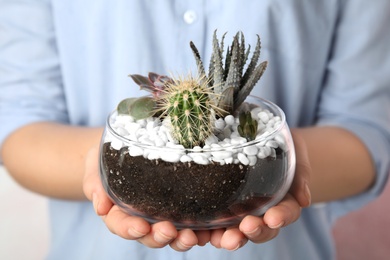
(147, 174)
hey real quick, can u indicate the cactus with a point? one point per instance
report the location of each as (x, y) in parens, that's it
(187, 102)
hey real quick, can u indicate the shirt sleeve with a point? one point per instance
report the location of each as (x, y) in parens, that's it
(356, 94)
(30, 75)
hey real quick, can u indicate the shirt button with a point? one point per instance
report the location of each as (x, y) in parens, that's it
(189, 17)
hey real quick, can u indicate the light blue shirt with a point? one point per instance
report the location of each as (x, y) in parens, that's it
(68, 61)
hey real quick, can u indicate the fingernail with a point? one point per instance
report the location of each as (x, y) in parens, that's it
(255, 233)
(135, 233)
(161, 238)
(95, 202)
(182, 247)
(276, 226)
(239, 245)
(307, 194)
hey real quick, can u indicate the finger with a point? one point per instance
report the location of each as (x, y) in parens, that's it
(92, 185)
(216, 236)
(204, 237)
(124, 225)
(161, 234)
(283, 214)
(184, 241)
(300, 186)
(233, 239)
(255, 229)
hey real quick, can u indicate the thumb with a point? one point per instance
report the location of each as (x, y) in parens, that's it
(92, 184)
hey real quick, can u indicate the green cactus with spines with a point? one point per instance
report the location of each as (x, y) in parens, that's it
(188, 104)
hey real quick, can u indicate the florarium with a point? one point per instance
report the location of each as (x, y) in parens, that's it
(199, 151)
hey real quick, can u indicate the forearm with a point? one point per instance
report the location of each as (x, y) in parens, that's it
(340, 163)
(48, 158)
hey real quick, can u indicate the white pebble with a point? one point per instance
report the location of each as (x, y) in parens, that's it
(124, 118)
(220, 124)
(264, 152)
(281, 142)
(238, 140)
(116, 144)
(132, 137)
(132, 127)
(255, 111)
(229, 120)
(221, 155)
(242, 158)
(141, 122)
(185, 158)
(229, 160)
(212, 139)
(263, 116)
(235, 135)
(250, 150)
(141, 132)
(121, 131)
(197, 148)
(201, 160)
(145, 140)
(170, 157)
(215, 146)
(159, 142)
(272, 144)
(227, 132)
(252, 160)
(151, 125)
(153, 155)
(136, 151)
(221, 162)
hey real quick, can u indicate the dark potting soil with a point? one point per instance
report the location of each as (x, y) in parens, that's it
(190, 191)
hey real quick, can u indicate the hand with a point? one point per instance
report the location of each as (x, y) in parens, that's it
(255, 229)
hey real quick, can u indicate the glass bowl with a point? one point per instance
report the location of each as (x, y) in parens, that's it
(147, 174)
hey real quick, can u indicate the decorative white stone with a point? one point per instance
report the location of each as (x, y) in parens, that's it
(263, 116)
(250, 150)
(170, 156)
(222, 155)
(281, 142)
(220, 147)
(238, 140)
(185, 158)
(252, 160)
(220, 124)
(229, 160)
(132, 127)
(121, 131)
(153, 155)
(212, 139)
(272, 144)
(136, 151)
(242, 158)
(201, 160)
(229, 120)
(116, 144)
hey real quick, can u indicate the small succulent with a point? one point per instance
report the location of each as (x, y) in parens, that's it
(228, 80)
(192, 103)
(145, 106)
(247, 127)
